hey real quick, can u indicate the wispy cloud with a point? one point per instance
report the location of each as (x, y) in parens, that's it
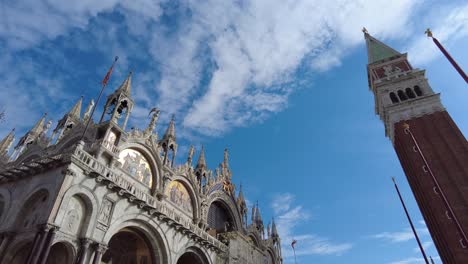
(215, 64)
(449, 24)
(289, 217)
(400, 236)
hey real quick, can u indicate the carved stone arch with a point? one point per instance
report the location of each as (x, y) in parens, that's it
(32, 210)
(18, 252)
(255, 238)
(192, 192)
(5, 204)
(153, 160)
(149, 228)
(221, 197)
(91, 206)
(32, 152)
(271, 255)
(72, 138)
(61, 252)
(193, 255)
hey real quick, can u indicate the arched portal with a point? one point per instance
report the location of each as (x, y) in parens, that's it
(21, 254)
(128, 246)
(60, 253)
(193, 256)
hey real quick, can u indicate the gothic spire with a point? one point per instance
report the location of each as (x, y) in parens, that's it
(125, 87)
(72, 116)
(259, 216)
(200, 169)
(6, 143)
(168, 142)
(240, 197)
(29, 137)
(75, 112)
(378, 51)
(170, 131)
(274, 231)
(39, 126)
(254, 214)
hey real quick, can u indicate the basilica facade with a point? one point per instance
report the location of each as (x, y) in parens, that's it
(106, 194)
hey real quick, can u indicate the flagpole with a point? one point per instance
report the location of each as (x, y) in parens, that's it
(447, 55)
(432, 261)
(294, 250)
(104, 84)
(411, 222)
(295, 260)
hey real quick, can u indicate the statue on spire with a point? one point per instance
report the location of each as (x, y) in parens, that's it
(190, 155)
(154, 119)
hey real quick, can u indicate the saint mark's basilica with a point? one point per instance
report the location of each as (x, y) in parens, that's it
(108, 195)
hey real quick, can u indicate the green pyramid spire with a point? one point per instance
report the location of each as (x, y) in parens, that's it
(377, 51)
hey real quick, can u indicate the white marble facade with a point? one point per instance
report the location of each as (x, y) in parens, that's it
(116, 196)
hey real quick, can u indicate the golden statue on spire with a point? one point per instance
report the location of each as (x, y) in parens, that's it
(428, 32)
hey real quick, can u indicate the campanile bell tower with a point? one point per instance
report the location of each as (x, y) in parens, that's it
(432, 150)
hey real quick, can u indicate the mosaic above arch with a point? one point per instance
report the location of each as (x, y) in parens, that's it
(178, 194)
(134, 163)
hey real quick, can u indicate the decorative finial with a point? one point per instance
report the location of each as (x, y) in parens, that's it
(364, 30)
(428, 32)
(406, 125)
(190, 154)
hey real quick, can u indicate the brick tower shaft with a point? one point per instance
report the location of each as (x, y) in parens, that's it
(431, 148)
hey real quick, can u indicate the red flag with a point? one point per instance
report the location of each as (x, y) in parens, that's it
(293, 243)
(106, 79)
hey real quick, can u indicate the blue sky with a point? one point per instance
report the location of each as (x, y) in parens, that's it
(282, 84)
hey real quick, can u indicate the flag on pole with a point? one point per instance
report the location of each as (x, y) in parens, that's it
(293, 243)
(106, 79)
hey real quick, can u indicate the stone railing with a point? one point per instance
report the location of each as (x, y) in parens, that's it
(144, 200)
(107, 145)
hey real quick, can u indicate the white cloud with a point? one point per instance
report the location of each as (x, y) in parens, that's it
(401, 236)
(222, 64)
(289, 216)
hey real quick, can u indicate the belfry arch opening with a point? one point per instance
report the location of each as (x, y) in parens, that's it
(128, 246)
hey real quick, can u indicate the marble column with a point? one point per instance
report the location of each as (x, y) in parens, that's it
(48, 244)
(85, 242)
(37, 239)
(36, 252)
(100, 249)
(6, 241)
